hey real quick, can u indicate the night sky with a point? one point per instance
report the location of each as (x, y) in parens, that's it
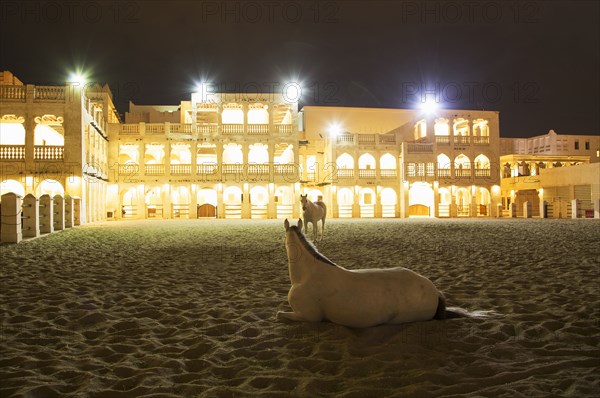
(536, 62)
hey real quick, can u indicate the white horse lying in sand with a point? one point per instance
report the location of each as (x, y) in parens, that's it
(323, 290)
(313, 212)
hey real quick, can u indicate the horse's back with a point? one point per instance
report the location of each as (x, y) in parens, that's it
(322, 205)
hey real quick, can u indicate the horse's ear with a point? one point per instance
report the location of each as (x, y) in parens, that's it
(300, 224)
(286, 224)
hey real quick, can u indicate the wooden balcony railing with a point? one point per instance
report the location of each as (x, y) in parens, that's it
(12, 152)
(46, 152)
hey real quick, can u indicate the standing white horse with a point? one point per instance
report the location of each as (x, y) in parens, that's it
(362, 298)
(313, 212)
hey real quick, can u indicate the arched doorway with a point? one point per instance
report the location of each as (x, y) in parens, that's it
(129, 204)
(367, 200)
(389, 199)
(232, 200)
(463, 202)
(180, 202)
(445, 201)
(207, 203)
(259, 200)
(154, 203)
(345, 199)
(284, 199)
(14, 186)
(483, 200)
(420, 200)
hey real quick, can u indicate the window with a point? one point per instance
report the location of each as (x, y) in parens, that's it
(577, 144)
(587, 145)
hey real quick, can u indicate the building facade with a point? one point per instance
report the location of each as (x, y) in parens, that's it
(251, 155)
(554, 175)
(53, 140)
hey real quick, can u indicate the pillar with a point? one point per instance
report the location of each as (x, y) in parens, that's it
(69, 219)
(527, 209)
(31, 217)
(11, 218)
(59, 213)
(46, 213)
(76, 211)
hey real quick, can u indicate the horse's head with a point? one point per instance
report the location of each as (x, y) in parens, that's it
(303, 200)
(287, 226)
(290, 232)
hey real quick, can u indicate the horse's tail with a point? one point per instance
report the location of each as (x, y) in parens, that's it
(440, 312)
(324, 207)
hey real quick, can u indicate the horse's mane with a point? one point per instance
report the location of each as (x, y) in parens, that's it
(310, 247)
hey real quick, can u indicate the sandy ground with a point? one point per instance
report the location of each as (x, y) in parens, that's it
(187, 308)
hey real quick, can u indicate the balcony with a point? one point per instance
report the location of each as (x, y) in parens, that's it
(462, 173)
(228, 168)
(283, 128)
(12, 152)
(345, 173)
(181, 169)
(207, 128)
(233, 128)
(366, 173)
(442, 139)
(388, 173)
(207, 169)
(258, 169)
(461, 140)
(345, 139)
(286, 169)
(481, 140)
(49, 94)
(155, 128)
(155, 169)
(258, 129)
(444, 173)
(129, 169)
(386, 139)
(13, 93)
(419, 148)
(129, 129)
(46, 152)
(366, 139)
(482, 173)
